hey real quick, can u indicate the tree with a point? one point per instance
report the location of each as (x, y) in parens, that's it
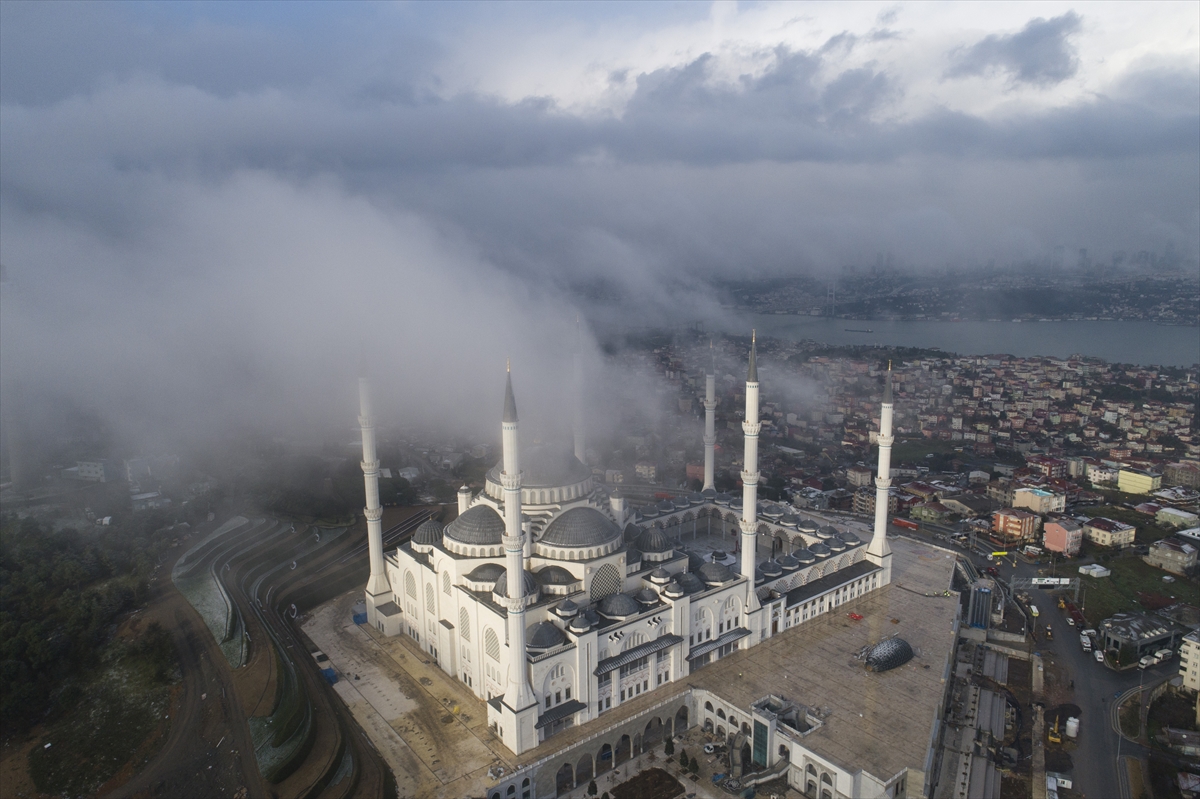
(694, 767)
(669, 748)
(592, 788)
(683, 758)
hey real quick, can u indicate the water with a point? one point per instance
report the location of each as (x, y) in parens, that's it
(1116, 342)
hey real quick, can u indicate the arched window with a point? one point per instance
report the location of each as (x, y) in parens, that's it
(708, 706)
(825, 780)
(606, 582)
(430, 602)
(512, 791)
(721, 713)
(446, 582)
(811, 770)
(491, 644)
(464, 624)
(410, 585)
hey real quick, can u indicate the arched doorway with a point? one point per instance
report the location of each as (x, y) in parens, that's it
(637, 744)
(681, 720)
(583, 770)
(604, 760)
(564, 781)
(720, 732)
(653, 733)
(622, 753)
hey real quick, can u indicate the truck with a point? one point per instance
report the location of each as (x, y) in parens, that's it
(1164, 655)
(1147, 662)
(905, 523)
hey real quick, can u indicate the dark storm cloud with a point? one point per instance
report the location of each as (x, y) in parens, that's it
(1039, 53)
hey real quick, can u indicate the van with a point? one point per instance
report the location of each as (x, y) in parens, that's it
(1146, 662)
(1163, 654)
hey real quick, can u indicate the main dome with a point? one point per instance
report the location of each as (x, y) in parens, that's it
(580, 527)
(546, 467)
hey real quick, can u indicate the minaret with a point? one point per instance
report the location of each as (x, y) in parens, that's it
(710, 419)
(577, 396)
(750, 428)
(518, 696)
(378, 589)
(878, 552)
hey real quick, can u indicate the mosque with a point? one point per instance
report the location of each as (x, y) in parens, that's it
(555, 604)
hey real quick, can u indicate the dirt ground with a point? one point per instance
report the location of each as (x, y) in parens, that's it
(652, 783)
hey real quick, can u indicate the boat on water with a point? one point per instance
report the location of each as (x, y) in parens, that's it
(859, 330)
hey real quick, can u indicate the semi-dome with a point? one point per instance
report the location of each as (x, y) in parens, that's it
(501, 589)
(695, 560)
(546, 467)
(485, 573)
(889, 654)
(618, 606)
(715, 573)
(478, 526)
(580, 527)
(555, 575)
(654, 540)
(543, 636)
(632, 531)
(429, 533)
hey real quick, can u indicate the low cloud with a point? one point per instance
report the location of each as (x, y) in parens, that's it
(1039, 54)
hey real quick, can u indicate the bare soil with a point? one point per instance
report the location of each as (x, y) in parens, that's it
(652, 783)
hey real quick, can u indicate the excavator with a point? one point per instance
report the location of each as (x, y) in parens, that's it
(1053, 736)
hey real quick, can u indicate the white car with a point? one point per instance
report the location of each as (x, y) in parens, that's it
(709, 749)
(1098, 655)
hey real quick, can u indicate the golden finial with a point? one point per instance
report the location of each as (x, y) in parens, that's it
(753, 336)
(508, 365)
(889, 365)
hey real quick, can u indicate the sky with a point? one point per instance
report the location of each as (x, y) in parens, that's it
(208, 210)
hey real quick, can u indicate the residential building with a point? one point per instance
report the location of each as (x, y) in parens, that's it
(1063, 536)
(646, 470)
(1109, 533)
(96, 471)
(969, 506)
(1184, 473)
(1015, 526)
(864, 501)
(859, 476)
(1189, 661)
(1173, 517)
(1039, 500)
(1173, 555)
(1137, 481)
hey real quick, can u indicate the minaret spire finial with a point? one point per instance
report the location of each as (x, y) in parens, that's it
(510, 402)
(752, 374)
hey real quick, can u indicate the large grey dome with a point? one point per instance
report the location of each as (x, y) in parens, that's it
(654, 540)
(429, 533)
(889, 654)
(543, 635)
(715, 573)
(478, 526)
(580, 527)
(618, 606)
(546, 467)
(501, 589)
(485, 573)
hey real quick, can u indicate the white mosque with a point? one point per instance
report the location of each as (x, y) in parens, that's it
(608, 604)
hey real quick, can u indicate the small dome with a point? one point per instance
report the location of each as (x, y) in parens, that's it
(826, 531)
(649, 512)
(646, 596)
(690, 583)
(666, 506)
(723, 499)
(735, 504)
(478, 526)
(618, 606)
(580, 624)
(771, 569)
(485, 573)
(804, 556)
(696, 498)
(580, 527)
(501, 589)
(889, 654)
(773, 512)
(788, 563)
(850, 538)
(681, 503)
(807, 526)
(555, 575)
(429, 533)
(695, 561)
(567, 609)
(673, 589)
(709, 494)
(790, 519)
(543, 635)
(654, 540)
(835, 544)
(660, 575)
(819, 549)
(715, 573)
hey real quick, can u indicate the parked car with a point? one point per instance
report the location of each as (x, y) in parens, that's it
(1098, 655)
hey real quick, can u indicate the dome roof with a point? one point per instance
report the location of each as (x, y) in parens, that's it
(617, 606)
(673, 588)
(836, 544)
(485, 573)
(690, 583)
(478, 526)
(819, 549)
(696, 498)
(713, 573)
(633, 556)
(804, 556)
(580, 527)
(889, 654)
(632, 531)
(695, 560)
(649, 512)
(660, 575)
(579, 624)
(681, 503)
(788, 563)
(723, 499)
(771, 569)
(546, 467)
(806, 526)
(667, 506)
(646, 596)
(850, 538)
(790, 519)
(826, 531)
(501, 589)
(772, 511)
(429, 533)
(566, 608)
(555, 575)
(709, 494)
(654, 540)
(543, 635)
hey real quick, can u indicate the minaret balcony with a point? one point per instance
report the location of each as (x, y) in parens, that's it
(883, 482)
(751, 428)
(511, 482)
(709, 406)
(370, 467)
(885, 441)
(366, 421)
(373, 514)
(750, 478)
(710, 440)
